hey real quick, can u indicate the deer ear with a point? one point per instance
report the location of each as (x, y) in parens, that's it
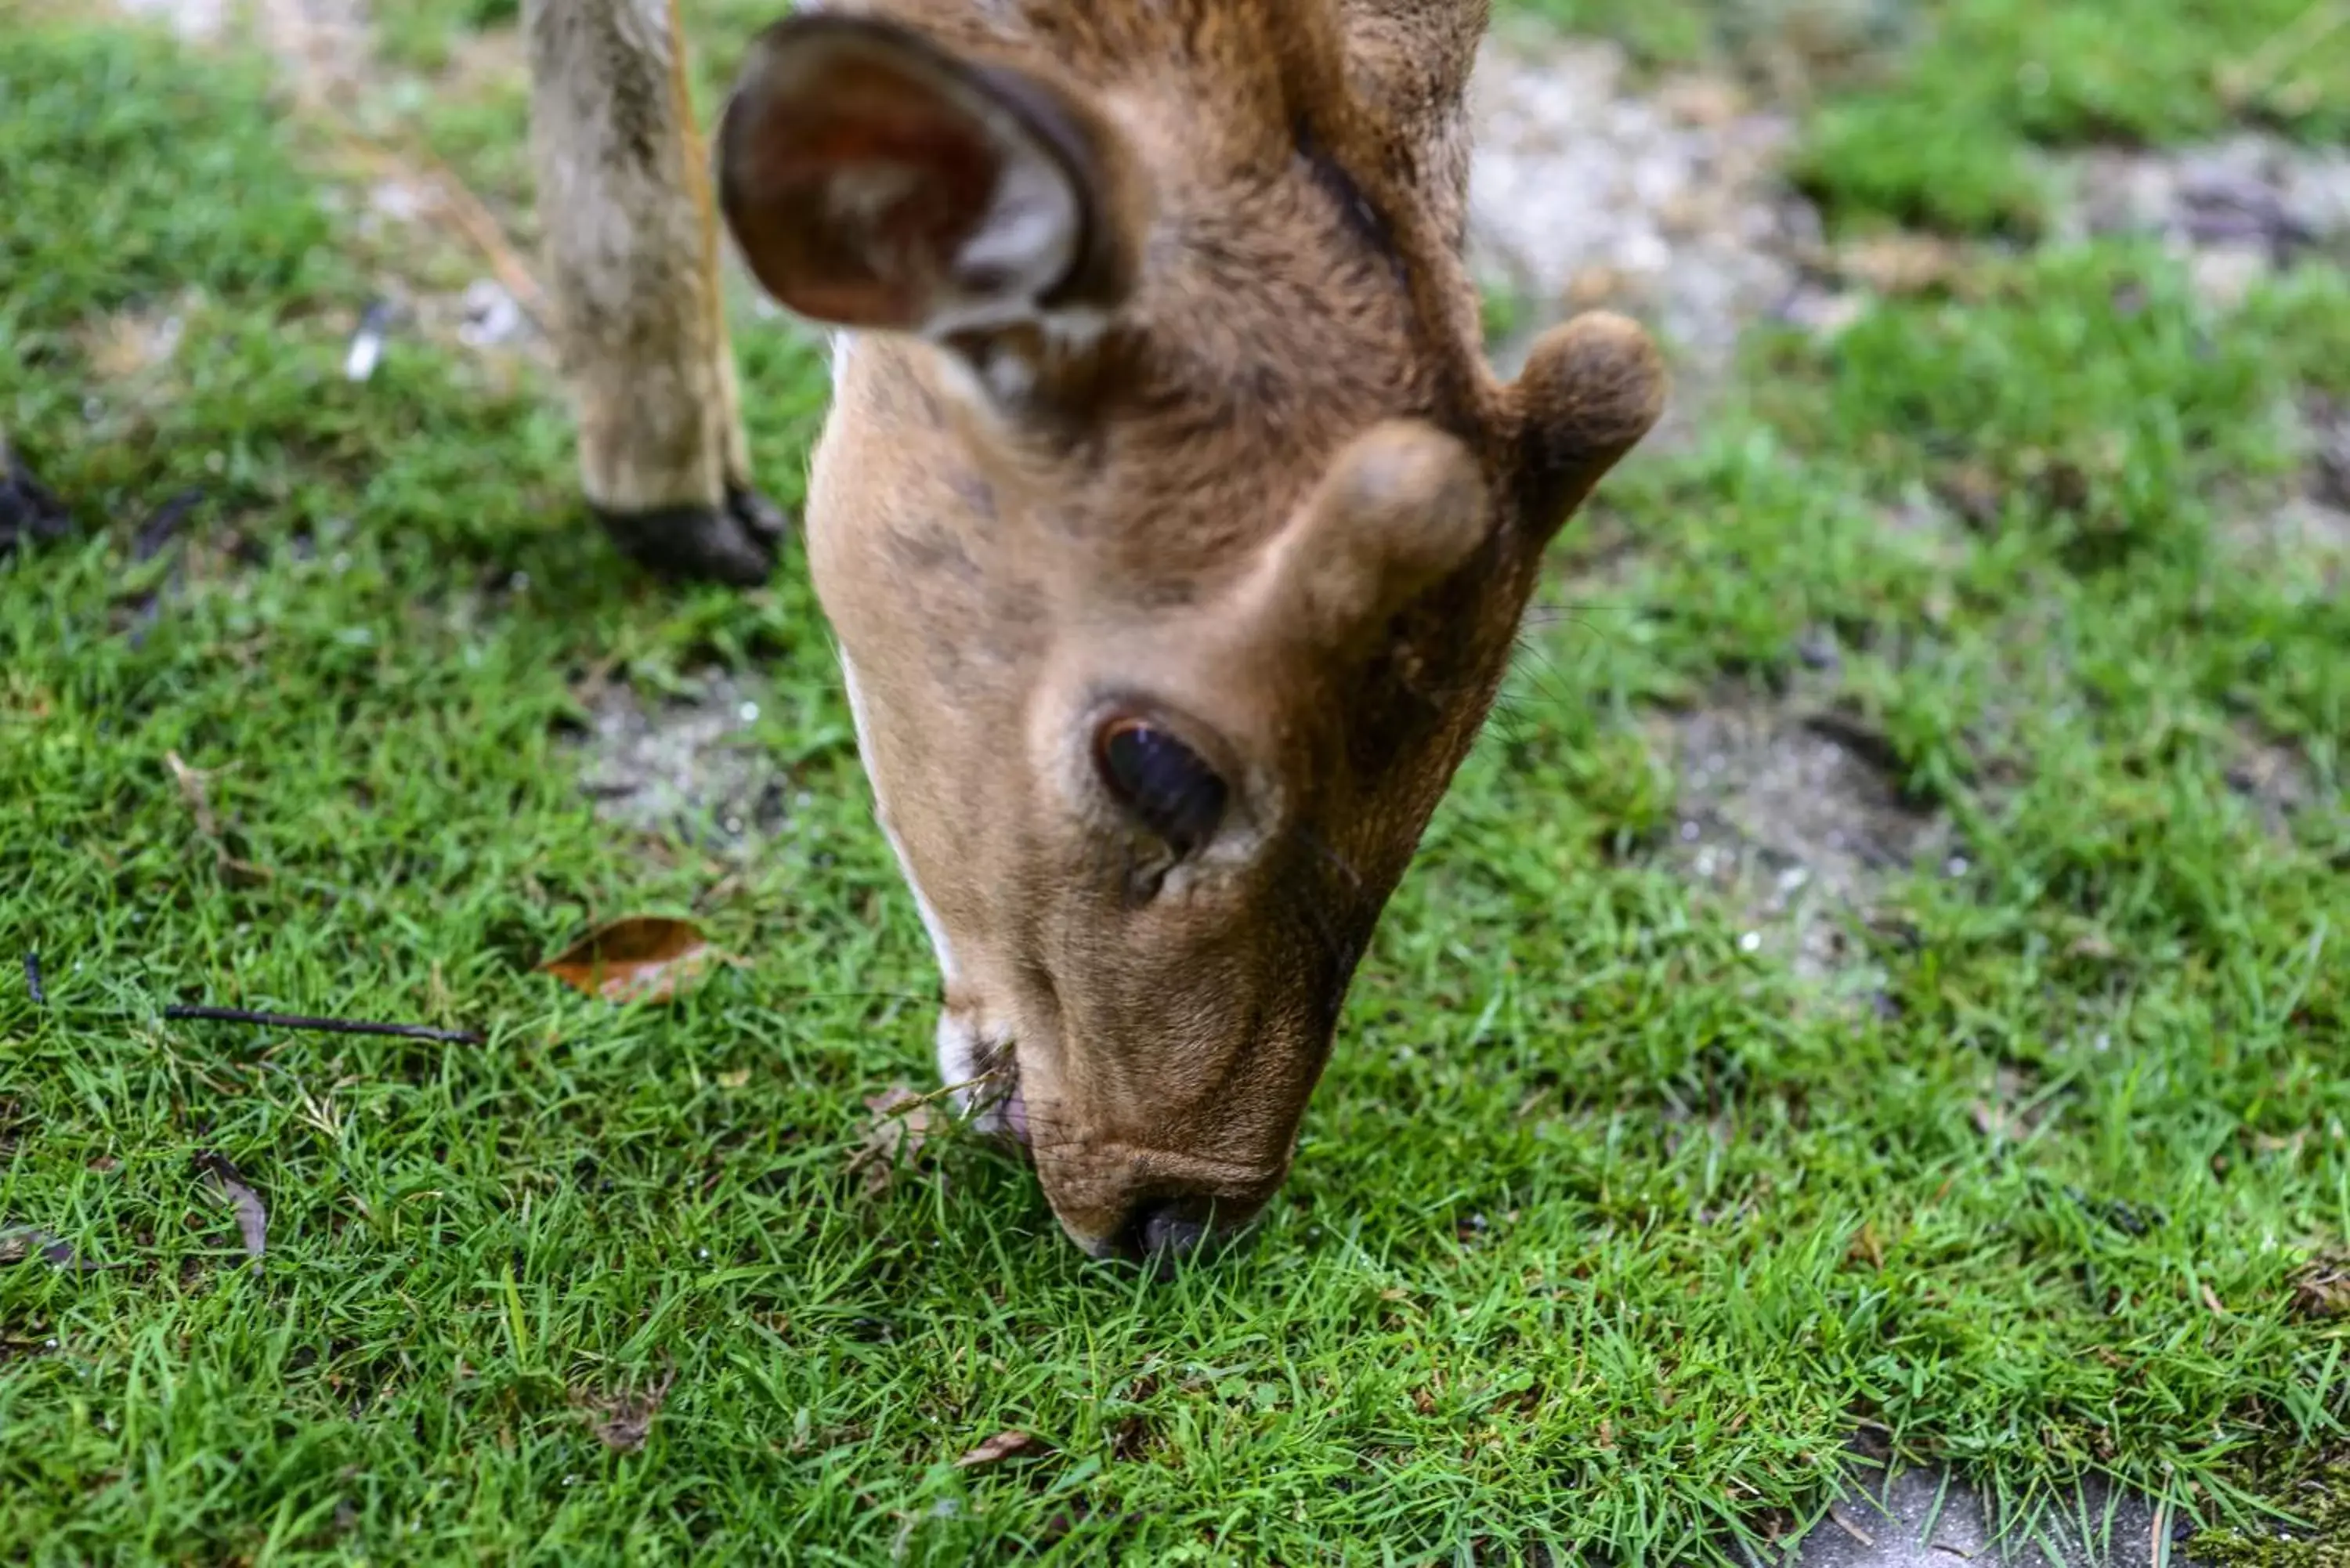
(873, 178)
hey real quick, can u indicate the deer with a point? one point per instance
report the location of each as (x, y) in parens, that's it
(1171, 527)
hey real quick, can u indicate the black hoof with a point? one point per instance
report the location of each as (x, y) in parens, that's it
(736, 544)
(30, 511)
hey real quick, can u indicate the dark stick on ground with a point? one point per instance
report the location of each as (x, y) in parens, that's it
(33, 977)
(30, 512)
(322, 1025)
(153, 534)
(157, 531)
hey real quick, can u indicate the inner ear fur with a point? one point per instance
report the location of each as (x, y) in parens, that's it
(873, 178)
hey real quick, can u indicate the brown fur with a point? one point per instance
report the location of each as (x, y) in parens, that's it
(1167, 401)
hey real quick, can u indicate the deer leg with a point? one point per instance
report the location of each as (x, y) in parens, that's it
(632, 264)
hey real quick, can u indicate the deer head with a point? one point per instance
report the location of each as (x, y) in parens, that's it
(1174, 530)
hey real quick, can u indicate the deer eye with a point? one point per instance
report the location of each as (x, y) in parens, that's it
(1161, 780)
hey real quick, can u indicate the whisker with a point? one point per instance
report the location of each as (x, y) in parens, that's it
(1321, 846)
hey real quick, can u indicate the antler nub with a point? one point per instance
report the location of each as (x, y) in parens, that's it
(1591, 389)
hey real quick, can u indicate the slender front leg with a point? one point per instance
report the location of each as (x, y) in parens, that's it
(631, 259)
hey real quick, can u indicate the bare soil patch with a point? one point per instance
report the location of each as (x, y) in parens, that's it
(2235, 211)
(1588, 190)
(1790, 814)
(689, 766)
(1918, 1517)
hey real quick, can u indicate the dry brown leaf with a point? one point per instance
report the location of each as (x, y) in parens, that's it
(901, 1125)
(1131, 1438)
(252, 1217)
(622, 1424)
(1901, 264)
(1992, 1121)
(20, 1243)
(998, 1448)
(2321, 1288)
(1974, 492)
(638, 957)
(194, 788)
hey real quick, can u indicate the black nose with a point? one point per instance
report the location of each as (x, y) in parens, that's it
(1160, 1232)
(1166, 1228)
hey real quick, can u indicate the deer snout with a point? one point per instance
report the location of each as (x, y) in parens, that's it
(1129, 1207)
(1160, 1229)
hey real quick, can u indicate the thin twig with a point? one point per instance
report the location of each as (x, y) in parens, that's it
(2289, 43)
(323, 1025)
(482, 226)
(920, 1102)
(33, 977)
(1837, 1516)
(400, 158)
(472, 216)
(164, 521)
(196, 789)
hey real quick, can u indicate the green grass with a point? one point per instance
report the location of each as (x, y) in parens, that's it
(1944, 140)
(1602, 1232)
(1929, 113)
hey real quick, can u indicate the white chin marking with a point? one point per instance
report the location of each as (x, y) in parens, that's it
(932, 926)
(961, 1055)
(960, 1047)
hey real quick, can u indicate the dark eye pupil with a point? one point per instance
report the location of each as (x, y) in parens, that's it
(1162, 781)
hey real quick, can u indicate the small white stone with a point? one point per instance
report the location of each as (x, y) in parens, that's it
(2224, 277)
(366, 354)
(400, 202)
(1689, 831)
(1751, 942)
(492, 315)
(748, 713)
(1956, 866)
